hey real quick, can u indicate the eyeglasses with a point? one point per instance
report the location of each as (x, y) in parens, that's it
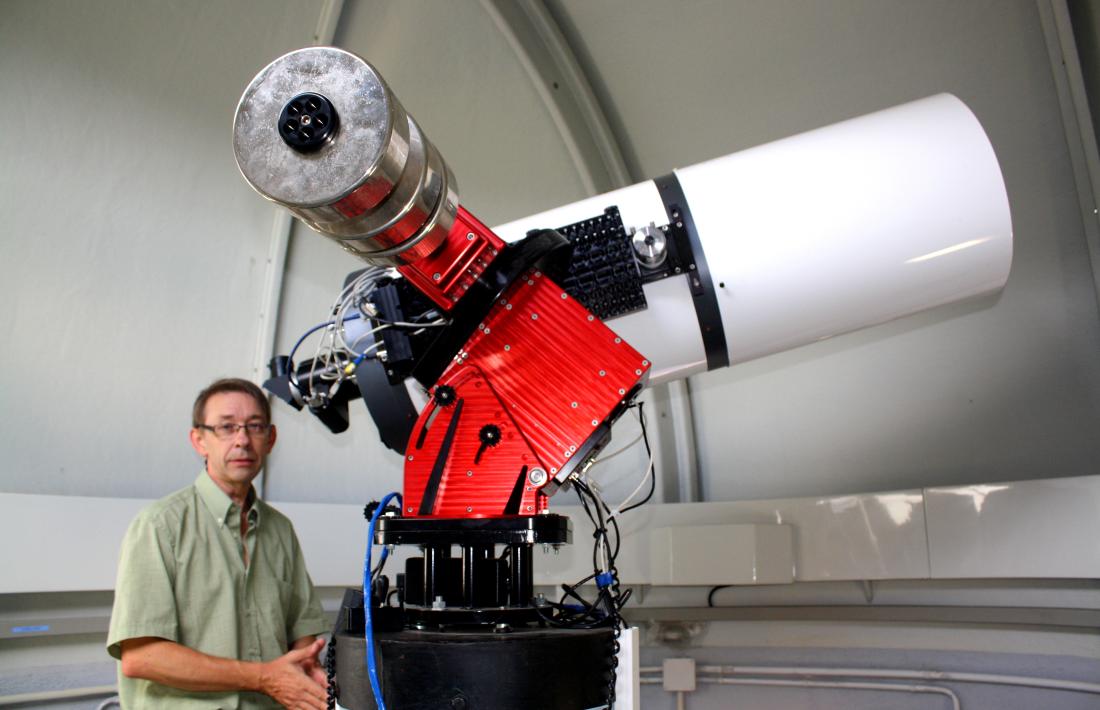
(227, 430)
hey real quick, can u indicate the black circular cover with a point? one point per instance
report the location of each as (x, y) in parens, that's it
(307, 122)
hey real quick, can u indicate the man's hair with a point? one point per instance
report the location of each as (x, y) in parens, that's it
(229, 384)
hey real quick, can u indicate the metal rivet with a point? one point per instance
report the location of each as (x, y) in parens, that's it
(553, 470)
(572, 449)
(410, 457)
(530, 282)
(534, 316)
(409, 509)
(595, 422)
(591, 318)
(622, 391)
(488, 330)
(437, 276)
(503, 301)
(507, 348)
(618, 340)
(603, 373)
(679, 225)
(566, 454)
(637, 372)
(508, 307)
(538, 273)
(564, 296)
(573, 405)
(529, 508)
(470, 236)
(645, 362)
(469, 509)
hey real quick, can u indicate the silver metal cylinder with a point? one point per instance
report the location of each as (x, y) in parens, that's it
(373, 182)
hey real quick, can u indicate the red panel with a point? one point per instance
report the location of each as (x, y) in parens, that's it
(542, 369)
(446, 274)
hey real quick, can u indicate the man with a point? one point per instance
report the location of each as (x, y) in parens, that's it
(213, 606)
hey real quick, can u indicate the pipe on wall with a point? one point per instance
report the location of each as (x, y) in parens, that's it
(836, 684)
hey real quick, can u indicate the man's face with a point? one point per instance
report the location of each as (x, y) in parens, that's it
(235, 461)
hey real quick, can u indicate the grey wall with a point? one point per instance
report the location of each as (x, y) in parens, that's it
(135, 256)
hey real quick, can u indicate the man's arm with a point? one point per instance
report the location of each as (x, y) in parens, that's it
(287, 679)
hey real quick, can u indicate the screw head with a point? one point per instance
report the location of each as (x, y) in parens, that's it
(537, 476)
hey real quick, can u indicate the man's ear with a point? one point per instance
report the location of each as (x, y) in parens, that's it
(271, 439)
(198, 444)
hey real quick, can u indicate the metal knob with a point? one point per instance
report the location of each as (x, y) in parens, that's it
(650, 246)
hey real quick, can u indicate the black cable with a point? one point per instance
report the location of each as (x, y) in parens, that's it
(649, 452)
(710, 597)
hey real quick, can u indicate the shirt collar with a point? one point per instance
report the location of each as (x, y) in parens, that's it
(220, 505)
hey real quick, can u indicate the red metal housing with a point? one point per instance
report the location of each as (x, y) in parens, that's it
(542, 371)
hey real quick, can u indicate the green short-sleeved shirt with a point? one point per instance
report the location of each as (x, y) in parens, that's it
(181, 577)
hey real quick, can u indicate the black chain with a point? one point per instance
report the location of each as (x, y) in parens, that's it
(617, 630)
(330, 670)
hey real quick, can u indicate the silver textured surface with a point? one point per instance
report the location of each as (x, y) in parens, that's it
(361, 149)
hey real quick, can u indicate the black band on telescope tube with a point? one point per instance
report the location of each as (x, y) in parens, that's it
(703, 295)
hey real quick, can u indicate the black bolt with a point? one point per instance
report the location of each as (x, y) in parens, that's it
(489, 435)
(444, 395)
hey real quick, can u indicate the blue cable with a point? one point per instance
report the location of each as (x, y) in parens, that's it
(368, 626)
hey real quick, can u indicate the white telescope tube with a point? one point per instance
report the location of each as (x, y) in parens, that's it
(822, 233)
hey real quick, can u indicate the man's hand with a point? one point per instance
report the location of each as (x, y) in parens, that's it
(312, 665)
(296, 679)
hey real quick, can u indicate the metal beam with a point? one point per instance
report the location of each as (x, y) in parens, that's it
(564, 89)
(1083, 619)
